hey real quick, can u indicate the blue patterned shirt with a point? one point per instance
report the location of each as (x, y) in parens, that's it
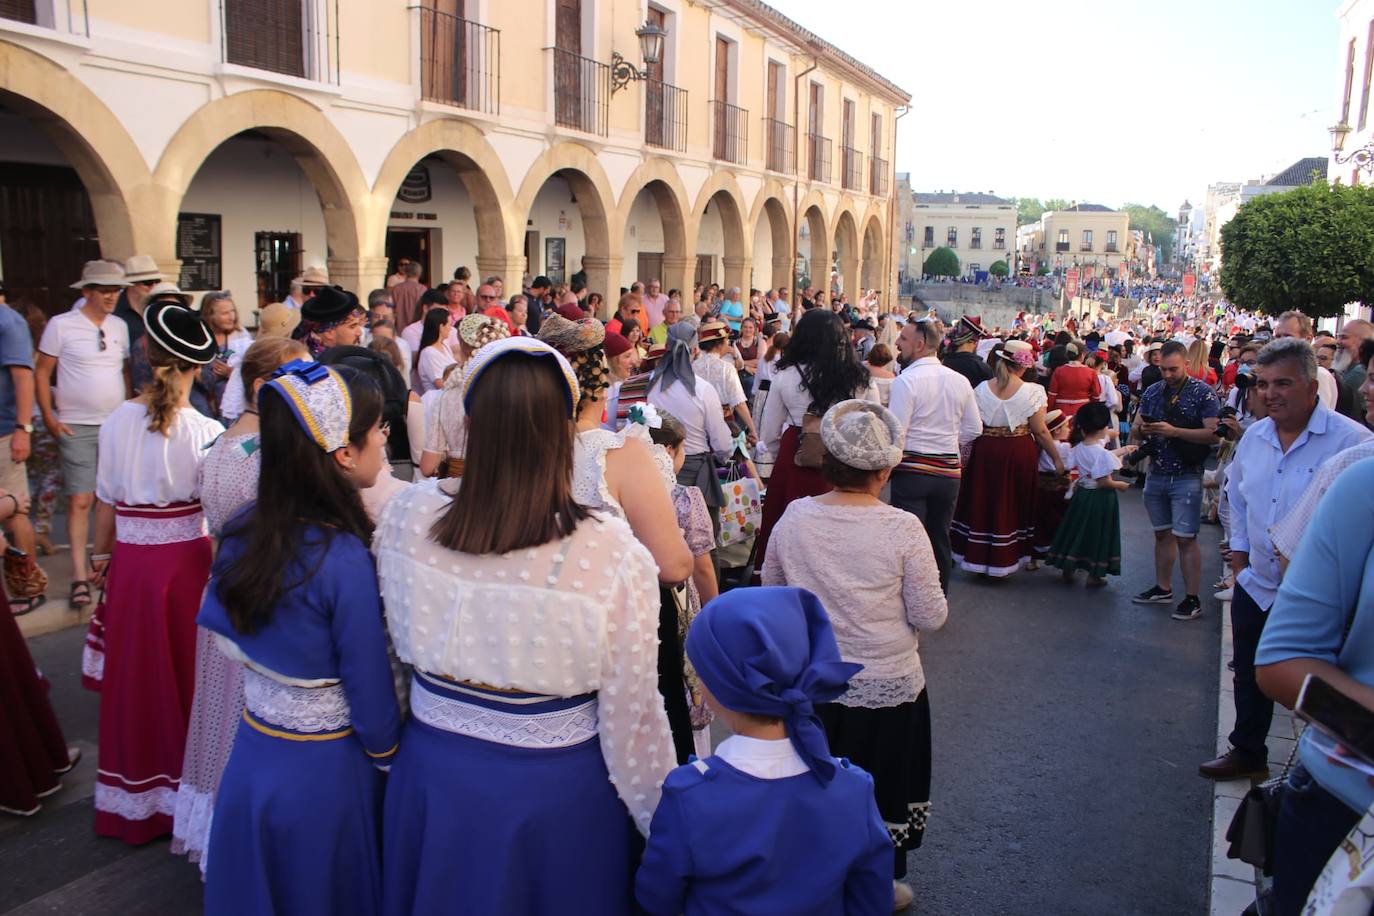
(1197, 402)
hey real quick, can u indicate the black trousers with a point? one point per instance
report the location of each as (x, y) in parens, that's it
(1254, 710)
(931, 499)
(672, 683)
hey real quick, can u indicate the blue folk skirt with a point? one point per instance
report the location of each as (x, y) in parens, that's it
(297, 827)
(500, 803)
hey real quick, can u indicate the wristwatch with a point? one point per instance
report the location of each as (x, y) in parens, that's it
(26, 427)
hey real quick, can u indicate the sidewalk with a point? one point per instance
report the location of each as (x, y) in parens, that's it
(1234, 883)
(55, 615)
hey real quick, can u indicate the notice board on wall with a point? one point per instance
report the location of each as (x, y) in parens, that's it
(198, 249)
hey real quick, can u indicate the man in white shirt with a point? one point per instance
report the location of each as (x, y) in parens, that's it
(654, 302)
(89, 349)
(938, 416)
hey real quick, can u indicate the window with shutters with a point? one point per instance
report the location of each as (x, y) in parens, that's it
(292, 37)
(19, 11)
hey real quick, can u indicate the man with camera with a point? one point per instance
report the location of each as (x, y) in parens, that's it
(1177, 423)
(1273, 467)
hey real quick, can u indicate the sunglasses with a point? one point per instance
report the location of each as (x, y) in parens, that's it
(148, 284)
(486, 297)
(100, 339)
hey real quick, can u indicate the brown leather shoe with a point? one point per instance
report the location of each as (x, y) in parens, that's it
(1232, 765)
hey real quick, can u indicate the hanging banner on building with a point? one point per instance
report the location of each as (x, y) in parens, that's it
(1189, 284)
(1071, 282)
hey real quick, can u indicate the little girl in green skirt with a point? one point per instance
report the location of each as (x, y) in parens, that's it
(1089, 537)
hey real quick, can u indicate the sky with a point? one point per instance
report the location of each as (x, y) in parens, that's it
(1101, 101)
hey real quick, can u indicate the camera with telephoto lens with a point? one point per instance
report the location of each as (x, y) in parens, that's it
(1147, 448)
(1227, 413)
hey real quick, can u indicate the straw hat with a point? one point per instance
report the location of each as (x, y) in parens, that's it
(141, 267)
(101, 273)
(277, 320)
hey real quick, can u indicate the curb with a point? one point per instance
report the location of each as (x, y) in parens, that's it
(1234, 884)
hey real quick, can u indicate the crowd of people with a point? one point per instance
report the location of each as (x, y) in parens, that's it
(394, 596)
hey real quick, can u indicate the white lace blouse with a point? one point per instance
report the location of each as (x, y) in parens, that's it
(138, 467)
(877, 600)
(589, 465)
(566, 618)
(1014, 411)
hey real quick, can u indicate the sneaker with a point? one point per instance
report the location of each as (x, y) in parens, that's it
(1154, 595)
(1226, 594)
(1189, 608)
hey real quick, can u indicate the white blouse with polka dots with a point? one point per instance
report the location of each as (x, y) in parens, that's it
(565, 618)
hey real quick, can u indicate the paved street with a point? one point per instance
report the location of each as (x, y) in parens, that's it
(1068, 727)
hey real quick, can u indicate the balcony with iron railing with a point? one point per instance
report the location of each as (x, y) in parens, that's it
(581, 92)
(818, 157)
(665, 115)
(1061, 246)
(1086, 246)
(730, 132)
(779, 146)
(1112, 249)
(460, 61)
(999, 244)
(852, 168)
(276, 37)
(975, 243)
(878, 177)
(68, 17)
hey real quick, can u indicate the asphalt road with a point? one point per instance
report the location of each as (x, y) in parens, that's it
(1068, 727)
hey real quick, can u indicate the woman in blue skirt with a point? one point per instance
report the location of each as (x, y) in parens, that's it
(537, 741)
(297, 824)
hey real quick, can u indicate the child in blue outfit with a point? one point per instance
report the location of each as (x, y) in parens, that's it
(771, 823)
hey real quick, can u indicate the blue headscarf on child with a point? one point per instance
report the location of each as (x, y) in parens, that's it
(770, 652)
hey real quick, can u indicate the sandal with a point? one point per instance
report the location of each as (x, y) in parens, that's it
(80, 596)
(21, 606)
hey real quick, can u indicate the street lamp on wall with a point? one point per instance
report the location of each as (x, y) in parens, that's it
(623, 72)
(1363, 158)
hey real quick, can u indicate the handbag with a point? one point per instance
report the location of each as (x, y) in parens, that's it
(1255, 823)
(810, 448)
(23, 577)
(742, 512)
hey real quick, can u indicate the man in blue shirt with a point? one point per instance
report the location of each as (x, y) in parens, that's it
(16, 423)
(1177, 419)
(1322, 623)
(1273, 467)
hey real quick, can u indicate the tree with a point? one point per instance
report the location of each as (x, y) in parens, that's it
(999, 269)
(1310, 248)
(1057, 203)
(1156, 224)
(1028, 210)
(943, 262)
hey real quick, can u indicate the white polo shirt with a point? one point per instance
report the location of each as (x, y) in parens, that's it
(90, 381)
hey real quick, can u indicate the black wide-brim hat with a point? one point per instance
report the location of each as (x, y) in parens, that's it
(330, 305)
(179, 331)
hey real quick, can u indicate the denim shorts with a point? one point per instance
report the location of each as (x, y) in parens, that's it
(1175, 503)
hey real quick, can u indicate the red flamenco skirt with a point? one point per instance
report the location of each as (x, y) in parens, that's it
(1050, 506)
(994, 521)
(32, 749)
(156, 579)
(788, 482)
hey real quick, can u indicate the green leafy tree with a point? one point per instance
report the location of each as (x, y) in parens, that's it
(1157, 225)
(999, 269)
(1057, 203)
(943, 262)
(1028, 210)
(1310, 248)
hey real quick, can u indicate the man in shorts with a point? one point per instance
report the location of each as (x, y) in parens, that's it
(1177, 420)
(89, 349)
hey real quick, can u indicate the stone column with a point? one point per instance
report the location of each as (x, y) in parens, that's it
(782, 272)
(737, 273)
(510, 270)
(603, 276)
(359, 276)
(849, 277)
(678, 273)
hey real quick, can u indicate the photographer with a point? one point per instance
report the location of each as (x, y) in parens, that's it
(1177, 423)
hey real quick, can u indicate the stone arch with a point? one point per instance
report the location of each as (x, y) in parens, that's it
(660, 179)
(722, 189)
(320, 151)
(874, 254)
(463, 147)
(770, 208)
(815, 216)
(596, 205)
(89, 135)
(845, 245)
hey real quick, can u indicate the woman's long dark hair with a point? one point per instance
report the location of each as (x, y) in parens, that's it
(300, 484)
(820, 349)
(517, 483)
(434, 320)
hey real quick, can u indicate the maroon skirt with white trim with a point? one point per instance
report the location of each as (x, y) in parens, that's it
(153, 591)
(994, 521)
(32, 750)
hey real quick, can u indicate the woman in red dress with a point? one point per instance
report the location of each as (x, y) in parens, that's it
(1073, 384)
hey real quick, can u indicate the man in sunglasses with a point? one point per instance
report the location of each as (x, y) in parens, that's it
(89, 349)
(142, 274)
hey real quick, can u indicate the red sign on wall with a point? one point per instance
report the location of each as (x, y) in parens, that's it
(1071, 282)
